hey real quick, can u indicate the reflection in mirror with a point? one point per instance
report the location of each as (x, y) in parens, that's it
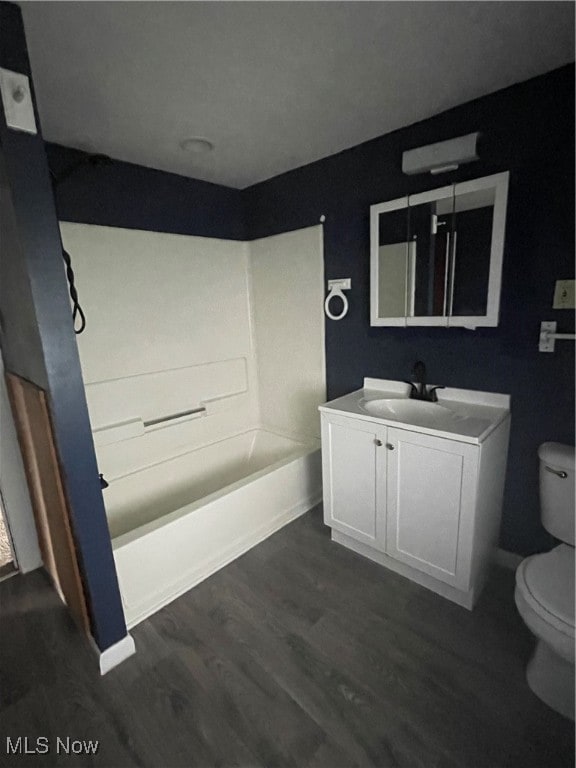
(430, 233)
(471, 254)
(394, 280)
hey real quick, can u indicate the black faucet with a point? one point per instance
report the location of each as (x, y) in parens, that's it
(420, 391)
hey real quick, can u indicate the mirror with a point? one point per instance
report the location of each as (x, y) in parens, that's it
(436, 257)
(393, 264)
(474, 214)
(431, 225)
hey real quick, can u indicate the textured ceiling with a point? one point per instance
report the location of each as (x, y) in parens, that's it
(272, 85)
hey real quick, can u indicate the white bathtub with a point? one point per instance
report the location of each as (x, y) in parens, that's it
(178, 521)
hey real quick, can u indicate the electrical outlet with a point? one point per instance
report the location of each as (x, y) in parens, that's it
(564, 294)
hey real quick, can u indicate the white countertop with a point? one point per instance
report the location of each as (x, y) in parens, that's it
(470, 416)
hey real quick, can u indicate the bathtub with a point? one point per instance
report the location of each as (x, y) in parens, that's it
(176, 522)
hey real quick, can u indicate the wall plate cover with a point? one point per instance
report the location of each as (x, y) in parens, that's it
(344, 284)
(17, 101)
(564, 294)
(545, 343)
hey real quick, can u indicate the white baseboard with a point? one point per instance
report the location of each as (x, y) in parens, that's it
(115, 654)
(505, 559)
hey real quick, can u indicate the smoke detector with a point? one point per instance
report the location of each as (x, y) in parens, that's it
(197, 145)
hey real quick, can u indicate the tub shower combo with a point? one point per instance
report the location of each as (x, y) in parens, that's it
(203, 362)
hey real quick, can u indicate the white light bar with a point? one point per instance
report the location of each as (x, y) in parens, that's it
(442, 156)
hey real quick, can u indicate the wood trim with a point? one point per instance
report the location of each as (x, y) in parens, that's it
(49, 502)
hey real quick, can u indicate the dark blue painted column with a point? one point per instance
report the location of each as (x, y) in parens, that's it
(38, 340)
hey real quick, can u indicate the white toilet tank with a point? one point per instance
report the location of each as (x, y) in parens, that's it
(557, 490)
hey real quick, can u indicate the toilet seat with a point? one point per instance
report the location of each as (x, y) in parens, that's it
(545, 596)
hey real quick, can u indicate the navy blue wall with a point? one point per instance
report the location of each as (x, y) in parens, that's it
(527, 129)
(38, 341)
(126, 195)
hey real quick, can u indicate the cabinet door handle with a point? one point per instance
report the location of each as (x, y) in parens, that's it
(390, 446)
(378, 442)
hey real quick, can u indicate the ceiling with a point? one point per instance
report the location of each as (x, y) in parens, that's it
(274, 85)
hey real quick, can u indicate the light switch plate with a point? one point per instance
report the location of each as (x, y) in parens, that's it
(17, 101)
(564, 294)
(344, 284)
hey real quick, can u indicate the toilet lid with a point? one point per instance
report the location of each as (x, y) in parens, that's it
(547, 582)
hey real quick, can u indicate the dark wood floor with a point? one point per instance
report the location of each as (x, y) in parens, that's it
(301, 654)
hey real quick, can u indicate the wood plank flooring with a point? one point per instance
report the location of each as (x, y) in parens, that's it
(300, 653)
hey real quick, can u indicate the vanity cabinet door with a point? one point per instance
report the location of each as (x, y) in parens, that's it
(431, 488)
(353, 457)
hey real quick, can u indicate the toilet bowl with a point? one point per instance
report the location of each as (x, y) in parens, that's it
(548, 612)
(545, 585)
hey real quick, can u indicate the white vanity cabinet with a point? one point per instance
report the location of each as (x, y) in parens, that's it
(430, 496)
(354, 478)
(425, 505)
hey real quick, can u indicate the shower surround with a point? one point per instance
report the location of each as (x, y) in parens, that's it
(203, 362)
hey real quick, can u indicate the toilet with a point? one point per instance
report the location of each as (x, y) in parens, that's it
(545, 585)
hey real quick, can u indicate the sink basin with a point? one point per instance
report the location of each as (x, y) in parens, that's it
(468, 415)
(408, 410)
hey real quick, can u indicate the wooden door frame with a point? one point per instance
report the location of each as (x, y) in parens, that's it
(47, 492)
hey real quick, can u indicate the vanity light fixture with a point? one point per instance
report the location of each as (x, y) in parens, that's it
(442, 156)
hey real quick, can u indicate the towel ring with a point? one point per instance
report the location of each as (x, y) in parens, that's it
(336, 288)
(331, 295)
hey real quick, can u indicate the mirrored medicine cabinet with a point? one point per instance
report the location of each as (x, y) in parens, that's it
(436, 257)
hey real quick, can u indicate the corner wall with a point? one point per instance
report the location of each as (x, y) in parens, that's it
(527, 129)
(287, 285)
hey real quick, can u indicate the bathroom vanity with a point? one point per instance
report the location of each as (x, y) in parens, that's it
(417, 486)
